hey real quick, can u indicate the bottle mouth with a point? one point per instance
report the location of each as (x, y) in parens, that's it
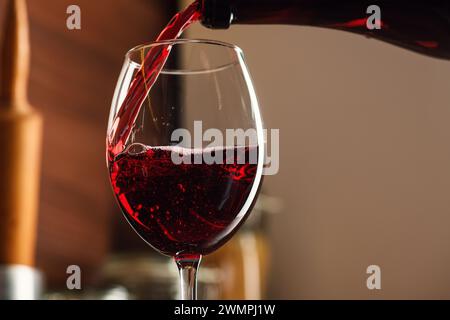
(216, 14)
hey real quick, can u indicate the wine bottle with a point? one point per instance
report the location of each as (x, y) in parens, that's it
(421, 25)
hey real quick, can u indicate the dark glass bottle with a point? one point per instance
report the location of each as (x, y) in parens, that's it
(421, 25)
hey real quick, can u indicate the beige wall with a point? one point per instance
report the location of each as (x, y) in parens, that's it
(365, 162)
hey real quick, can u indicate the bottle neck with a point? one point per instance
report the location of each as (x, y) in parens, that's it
(220, 14)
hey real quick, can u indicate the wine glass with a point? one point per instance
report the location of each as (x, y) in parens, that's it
(188, 172)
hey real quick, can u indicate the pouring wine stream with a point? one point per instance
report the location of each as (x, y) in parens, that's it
(151, 67)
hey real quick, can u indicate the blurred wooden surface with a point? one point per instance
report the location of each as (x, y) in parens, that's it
(72, 79)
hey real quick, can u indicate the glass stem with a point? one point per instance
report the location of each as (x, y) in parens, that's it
(187, 267)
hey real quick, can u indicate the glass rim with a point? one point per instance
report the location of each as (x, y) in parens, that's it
(183, 41)
(138, 48)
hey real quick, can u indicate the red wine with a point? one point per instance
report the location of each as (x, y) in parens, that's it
(184, 208)
(421, 25)
(143, 81)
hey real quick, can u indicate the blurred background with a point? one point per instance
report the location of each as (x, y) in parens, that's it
(364, 167)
